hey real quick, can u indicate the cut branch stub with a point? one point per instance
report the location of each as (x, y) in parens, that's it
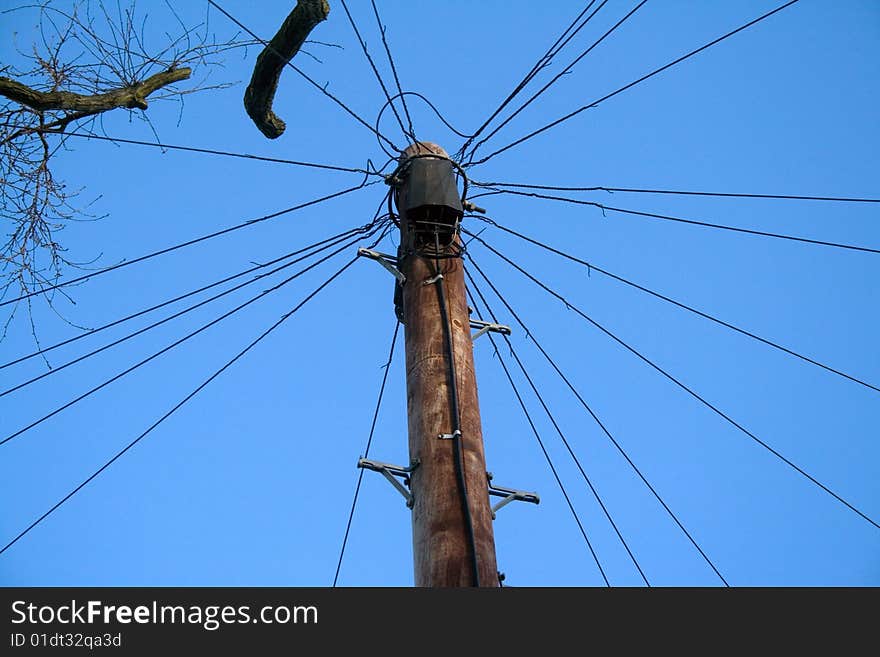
(284, 45)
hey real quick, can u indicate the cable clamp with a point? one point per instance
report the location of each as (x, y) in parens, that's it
(509, 495)
(470, 207)
(450, 436)
(434, 279)
(386, 261)
(390, 471)
(488, 327)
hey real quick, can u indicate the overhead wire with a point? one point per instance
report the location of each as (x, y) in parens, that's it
(360, 477)
(315, 250)
(557, 77)
(410, 131)
(692, 222)
(544, 451)
(690, 391)
(319, 87)
(555, 424)
(634, 190)
(176, 343)
(593, 267)
(211, 151)
(599, 422)
(177, 406)
(375, 70)
(421, 97)
(197, 240)
(647, 76)
(542, 62)
(45, 350)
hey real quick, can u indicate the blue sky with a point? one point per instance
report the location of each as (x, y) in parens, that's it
(250, 483)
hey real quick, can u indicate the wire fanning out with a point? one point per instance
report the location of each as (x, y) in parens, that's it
(595, 103)
(211, 151)
(692, 222)
(598, 421)
(360, 478)
(168, 302)
(592, 267)
(537, 435)
(557, 77)
(197, 240)
(690, 391)
(546, 59)
(179, 341)
(177, 406)
(558, 429)
(188, 309)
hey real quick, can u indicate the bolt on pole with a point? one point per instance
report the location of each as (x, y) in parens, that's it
(453, 542)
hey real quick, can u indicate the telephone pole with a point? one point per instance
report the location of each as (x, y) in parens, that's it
(453, 541)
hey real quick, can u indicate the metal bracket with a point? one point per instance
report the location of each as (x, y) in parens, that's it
(450, 436)
(487, 327)
(433, 279)
(386, 261)
(509, 495)
(390, 471)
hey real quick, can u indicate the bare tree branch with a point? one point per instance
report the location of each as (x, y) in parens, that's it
(132, 97)
(284, 45)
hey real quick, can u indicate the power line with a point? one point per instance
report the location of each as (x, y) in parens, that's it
(696, 396)
(360, 478)
(182, 245)
(525, 411)
(180, 313)
(633, 83)
(210, 151)
(373, 66)
(177, 406)
(174, 344)
(544, 61)
(559, 75)
(692, 222)
(403, 94)
(317, 86)
(792, 197)
(411, 132)
(601, 424)
(45, 350)
(592, 267)
(553, 420)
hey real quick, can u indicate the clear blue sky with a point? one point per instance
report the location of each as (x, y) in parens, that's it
(251, 482)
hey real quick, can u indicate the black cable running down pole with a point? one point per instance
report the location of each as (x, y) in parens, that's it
(360, 478)
(455, 412)
(176, 407)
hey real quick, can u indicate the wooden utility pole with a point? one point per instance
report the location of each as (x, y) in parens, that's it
(453, 543)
